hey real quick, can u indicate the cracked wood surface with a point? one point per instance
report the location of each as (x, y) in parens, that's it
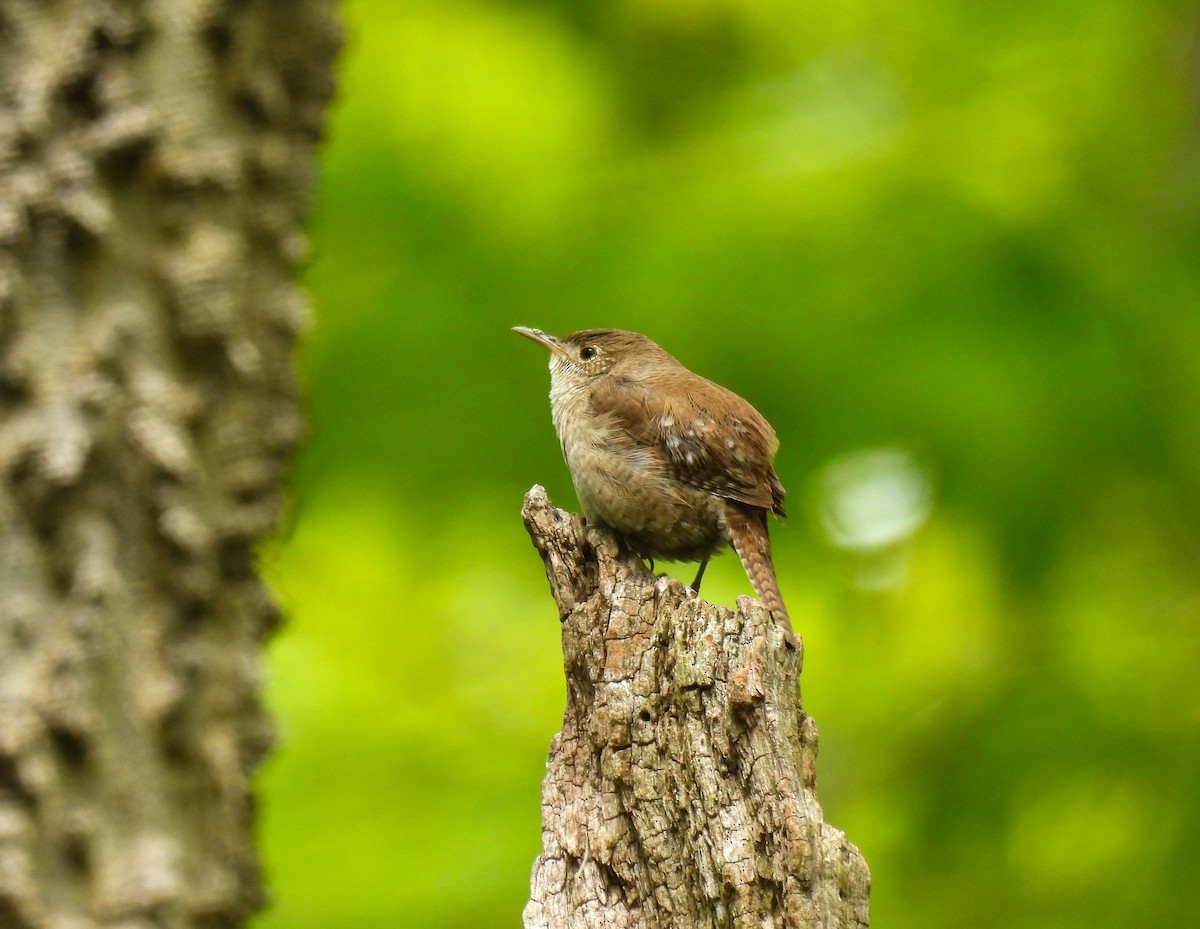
(681, 791)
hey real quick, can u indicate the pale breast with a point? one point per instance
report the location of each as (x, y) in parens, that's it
(628, 487)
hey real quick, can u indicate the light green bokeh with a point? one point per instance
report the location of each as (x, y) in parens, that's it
(966, 231)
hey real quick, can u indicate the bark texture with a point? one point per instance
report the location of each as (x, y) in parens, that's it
(681, 791)
(155, 163)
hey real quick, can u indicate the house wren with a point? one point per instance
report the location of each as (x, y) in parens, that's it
(679, 466)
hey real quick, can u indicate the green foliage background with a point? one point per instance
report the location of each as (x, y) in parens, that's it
(962, 229)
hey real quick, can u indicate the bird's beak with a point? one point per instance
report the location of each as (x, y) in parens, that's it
(548, 341)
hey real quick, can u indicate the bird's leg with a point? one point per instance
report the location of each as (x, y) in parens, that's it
(699, 576)
(650, 558)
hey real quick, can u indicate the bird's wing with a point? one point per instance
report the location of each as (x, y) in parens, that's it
(710, 439)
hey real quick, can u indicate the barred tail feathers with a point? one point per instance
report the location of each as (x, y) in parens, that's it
(748, 533)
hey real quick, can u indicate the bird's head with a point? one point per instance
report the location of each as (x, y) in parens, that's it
(590, 353)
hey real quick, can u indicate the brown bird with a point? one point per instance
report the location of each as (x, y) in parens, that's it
(679, 466)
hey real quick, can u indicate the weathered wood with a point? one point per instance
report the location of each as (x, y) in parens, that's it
(681, 791)
(156, 161)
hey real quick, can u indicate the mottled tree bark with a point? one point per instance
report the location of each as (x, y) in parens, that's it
(156, 158)
(681, 791)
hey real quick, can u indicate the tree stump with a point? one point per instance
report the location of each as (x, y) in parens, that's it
(681, 791)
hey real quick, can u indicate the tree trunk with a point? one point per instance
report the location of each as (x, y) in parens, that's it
(155, 162)
(681, 791)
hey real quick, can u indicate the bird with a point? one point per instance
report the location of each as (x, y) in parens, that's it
(677, 465)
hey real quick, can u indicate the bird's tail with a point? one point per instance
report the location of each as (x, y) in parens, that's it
(748, 533)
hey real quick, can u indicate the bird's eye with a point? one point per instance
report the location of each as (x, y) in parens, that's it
(588, 352)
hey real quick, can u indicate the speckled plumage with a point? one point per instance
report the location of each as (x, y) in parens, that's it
(679, 466)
